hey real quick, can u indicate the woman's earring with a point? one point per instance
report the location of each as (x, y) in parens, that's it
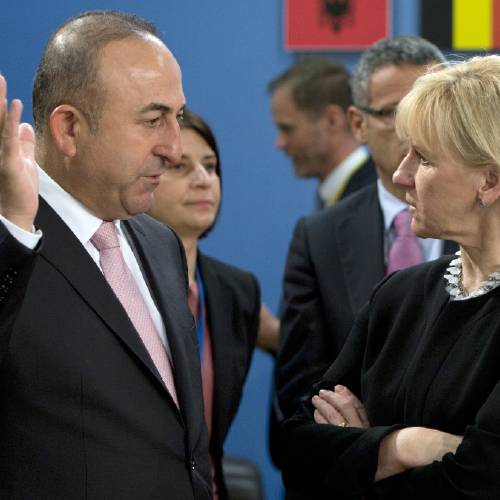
(480, 202)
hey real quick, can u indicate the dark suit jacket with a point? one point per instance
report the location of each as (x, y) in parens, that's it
(335, 259)
(364, 176)
(233, 306)
(415, 358)
(84, 413)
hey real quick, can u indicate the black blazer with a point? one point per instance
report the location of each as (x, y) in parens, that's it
(233, 306)
(364, 176)
(335, 259)
(84, 413)
(415, 358)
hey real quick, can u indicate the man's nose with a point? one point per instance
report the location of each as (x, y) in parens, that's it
(169, 146)
(280, 141)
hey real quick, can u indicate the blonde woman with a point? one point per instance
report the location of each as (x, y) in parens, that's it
(411, 408)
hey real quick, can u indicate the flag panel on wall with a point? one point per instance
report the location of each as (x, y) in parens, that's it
(335, 24)
(462, 24)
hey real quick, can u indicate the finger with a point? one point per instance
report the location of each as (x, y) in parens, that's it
(357, 403)
(3, 87)
(318, 418)
(3, 101)
(328, 411)
(10, 133)
(344, 404)
(363, 416)
(3, 111)
(27, 140)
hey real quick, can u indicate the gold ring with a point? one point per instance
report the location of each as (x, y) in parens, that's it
(342, 424)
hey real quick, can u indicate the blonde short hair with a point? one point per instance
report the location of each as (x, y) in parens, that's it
(455, 110)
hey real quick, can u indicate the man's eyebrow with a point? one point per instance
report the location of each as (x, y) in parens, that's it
(156, 106)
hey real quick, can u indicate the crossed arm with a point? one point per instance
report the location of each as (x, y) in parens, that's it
(400, 450)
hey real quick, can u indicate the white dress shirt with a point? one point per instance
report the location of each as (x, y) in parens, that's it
(84, 224)
(336, 179)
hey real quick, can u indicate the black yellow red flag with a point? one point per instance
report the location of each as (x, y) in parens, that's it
(462, 24)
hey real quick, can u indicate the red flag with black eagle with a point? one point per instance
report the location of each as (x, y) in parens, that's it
(335, 24)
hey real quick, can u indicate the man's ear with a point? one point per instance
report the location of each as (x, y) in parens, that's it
(335, 117)
(357, 122)
(489, 191)
(66, 123)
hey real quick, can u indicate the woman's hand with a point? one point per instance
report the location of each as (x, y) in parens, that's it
(413, 447)
(339, 407)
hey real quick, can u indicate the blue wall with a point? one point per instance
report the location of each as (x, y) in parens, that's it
(228, 51)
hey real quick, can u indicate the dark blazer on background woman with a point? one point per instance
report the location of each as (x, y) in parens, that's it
(232, 306)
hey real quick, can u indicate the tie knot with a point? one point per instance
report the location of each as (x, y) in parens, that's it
(402, 224)
(105, 237)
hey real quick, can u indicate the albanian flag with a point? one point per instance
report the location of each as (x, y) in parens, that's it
(335, 24)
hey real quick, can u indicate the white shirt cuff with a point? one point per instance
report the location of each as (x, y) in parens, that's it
(28, 239)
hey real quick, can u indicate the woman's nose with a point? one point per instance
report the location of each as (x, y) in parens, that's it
(200, 175)
(403, 176)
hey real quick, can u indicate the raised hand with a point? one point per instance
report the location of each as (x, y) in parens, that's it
(339, 407)
(18, 175)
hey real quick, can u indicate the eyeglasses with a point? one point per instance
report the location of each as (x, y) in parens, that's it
(386, 115)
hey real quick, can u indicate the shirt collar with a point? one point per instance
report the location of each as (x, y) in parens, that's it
(335, 178)
(391, 205)
(77, 217)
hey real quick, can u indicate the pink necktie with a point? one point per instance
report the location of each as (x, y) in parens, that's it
(405, 249)
(126, 289)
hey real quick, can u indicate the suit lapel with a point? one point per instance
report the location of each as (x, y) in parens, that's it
(360, 239)
(64, 252)
(172, 305)
(218, 304)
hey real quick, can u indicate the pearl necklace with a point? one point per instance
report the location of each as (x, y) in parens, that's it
(455, 286)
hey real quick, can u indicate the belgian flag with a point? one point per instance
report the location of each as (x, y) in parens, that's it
(462, 24)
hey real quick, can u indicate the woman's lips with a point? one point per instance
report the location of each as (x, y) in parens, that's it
(201, 203)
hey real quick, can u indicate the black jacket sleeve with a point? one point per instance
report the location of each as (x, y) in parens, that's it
(16, 266)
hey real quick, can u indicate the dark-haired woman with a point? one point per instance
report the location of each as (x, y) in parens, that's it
(225, 300)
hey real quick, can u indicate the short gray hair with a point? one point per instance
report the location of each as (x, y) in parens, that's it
(412, 50)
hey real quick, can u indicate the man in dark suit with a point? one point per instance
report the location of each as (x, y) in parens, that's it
(101, 392)
(336, 256)
(309, 103)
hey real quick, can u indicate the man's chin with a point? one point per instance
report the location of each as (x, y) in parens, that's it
(303, 171)
(138, 206)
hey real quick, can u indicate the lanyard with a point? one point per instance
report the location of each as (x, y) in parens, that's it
(200, 324)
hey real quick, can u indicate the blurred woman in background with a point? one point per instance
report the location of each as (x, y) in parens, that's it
(224, 300)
